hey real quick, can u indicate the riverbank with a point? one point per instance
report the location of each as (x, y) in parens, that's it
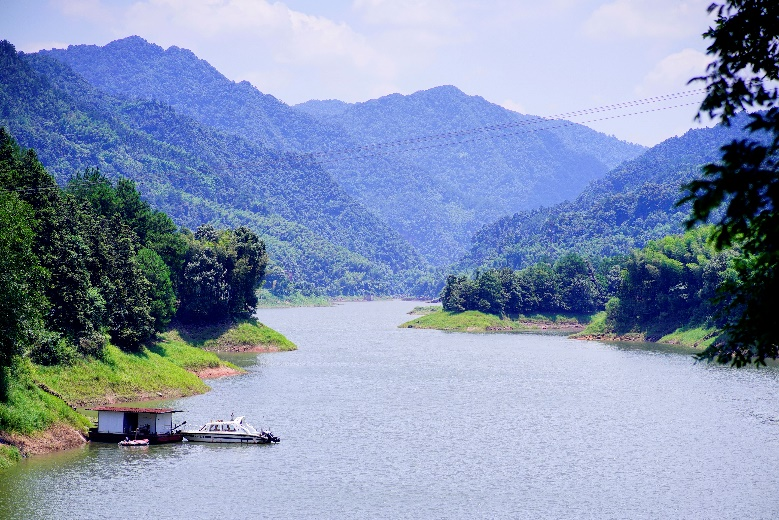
(268, 300)
(39, 415)
(475, 321)
(589, 327)
(33, 420)
(693, 337)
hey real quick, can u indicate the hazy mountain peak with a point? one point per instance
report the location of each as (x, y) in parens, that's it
(323, 107)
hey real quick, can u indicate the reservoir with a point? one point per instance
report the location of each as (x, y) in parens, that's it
(382, 422)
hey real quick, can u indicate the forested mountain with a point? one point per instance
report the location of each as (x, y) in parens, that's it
(434, 196)
(316, 232)
(132, 67)
(439, 190)
(633, 204)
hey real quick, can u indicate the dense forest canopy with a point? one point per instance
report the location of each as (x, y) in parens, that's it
(740, 192)
(321, 238)
(631, 205)
(93, 261)
(434, 197)
(670, 283)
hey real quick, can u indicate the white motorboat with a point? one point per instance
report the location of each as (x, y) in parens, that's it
(234, 430)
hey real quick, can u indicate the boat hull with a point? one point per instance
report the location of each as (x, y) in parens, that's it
(217, 437)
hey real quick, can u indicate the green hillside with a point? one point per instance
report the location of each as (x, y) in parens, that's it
(633, 204)
(322, 240)
(439, 190)
(434, 198)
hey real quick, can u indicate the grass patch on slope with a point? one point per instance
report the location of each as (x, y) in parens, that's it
(28, 410)
(468, 321)
(476, 321)
(122, 376)
(695, 337)
(424, 310)
(268, 300)
(242, 335)
(692, 336)
(9, 455)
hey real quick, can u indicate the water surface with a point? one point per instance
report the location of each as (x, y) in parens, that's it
(382, 422)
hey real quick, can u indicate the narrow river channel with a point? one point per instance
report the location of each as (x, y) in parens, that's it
(382, 422)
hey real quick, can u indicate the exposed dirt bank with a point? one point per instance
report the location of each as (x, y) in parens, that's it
(55, 438)
(213, 373)
(633, 337)
(243, 348)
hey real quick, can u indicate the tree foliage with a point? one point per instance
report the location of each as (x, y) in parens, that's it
(671, 283)
(21, 277)
(572, 284)
(94, 261)
(740, 193)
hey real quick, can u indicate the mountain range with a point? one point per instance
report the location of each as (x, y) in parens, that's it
(321, 237)
(634, 203)
(462, 162)
(351, 198)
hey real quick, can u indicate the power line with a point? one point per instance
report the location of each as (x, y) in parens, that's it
(530, 121)
(499, 136)
(394, 147)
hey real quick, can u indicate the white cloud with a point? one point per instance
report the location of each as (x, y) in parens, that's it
(510, 104)
(427, 13)
(672, 73)
(269, 44)
(290, 35)
(655, 19)
(93, 10)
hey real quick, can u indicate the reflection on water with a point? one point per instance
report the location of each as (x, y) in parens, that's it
(381, 422)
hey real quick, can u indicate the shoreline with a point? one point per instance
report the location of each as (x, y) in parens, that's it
(61, 436)
(479, 322)
(57, 437)
(93, 382)
(580, 327)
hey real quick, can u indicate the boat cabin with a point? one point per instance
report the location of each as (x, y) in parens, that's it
(114, 423)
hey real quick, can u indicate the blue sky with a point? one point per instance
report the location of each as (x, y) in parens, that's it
(536, 57)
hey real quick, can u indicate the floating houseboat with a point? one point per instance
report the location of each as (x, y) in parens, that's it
(117, 423)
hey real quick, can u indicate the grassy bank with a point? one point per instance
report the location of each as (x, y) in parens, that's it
(696, 337)
(37, 414)
(247, 335)
(270, 300)
(154, 373)
(28, 413)
(475, 321)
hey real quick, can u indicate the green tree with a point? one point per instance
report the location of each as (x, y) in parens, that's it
(126, 290)
(248, 261)
(203, 289)
(741, 192)
(21, 277)
(163, 302)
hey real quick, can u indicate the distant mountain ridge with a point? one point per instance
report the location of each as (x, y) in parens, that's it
(434, 198)
(632, 204)
(321, 238)
(134, 68)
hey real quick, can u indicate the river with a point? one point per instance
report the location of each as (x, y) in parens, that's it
(382, 422)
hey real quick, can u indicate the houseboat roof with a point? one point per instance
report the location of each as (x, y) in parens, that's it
(132, 410)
